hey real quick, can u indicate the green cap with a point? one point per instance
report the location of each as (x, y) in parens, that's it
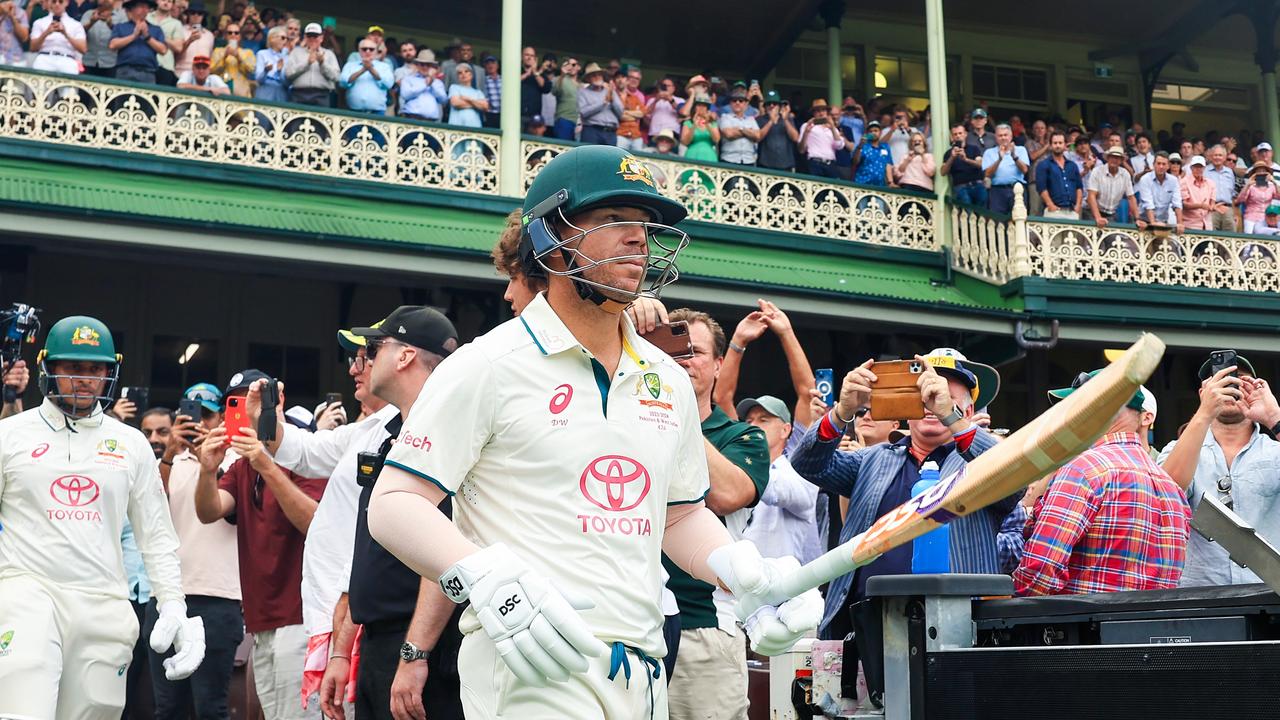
(1135, 402)
(351, 342)
(769, 404)
(1273, 210)
(602, 176)
(80, 337)
(772, 97)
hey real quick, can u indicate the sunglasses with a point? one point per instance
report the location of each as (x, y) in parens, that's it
(1224, 491)
(232, 33)
(373, 345)
(367, 49)
(741, 100)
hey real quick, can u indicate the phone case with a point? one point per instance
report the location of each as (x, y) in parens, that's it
(894, 395)
(237, 417)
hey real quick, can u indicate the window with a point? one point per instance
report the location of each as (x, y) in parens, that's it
(904, 76)
(177, 363)
(1200, 95)
(298, 367)
(1027, 86)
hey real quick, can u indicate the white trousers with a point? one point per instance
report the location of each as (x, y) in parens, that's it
(490, 691)
(277, 673)
(63, 654)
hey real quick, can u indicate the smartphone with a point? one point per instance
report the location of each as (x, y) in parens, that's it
(1260, 179)
(826, 383)
(1220, 360)
(672, 339)
(894, 394)
(191, 408)
(139, 396)
(331, 398)
(237, 417)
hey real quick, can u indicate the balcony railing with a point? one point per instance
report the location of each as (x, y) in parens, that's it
(998, 250)
(168, 123)
(750, 198)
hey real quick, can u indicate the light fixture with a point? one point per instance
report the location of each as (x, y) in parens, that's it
(882, 82)
(188, 353)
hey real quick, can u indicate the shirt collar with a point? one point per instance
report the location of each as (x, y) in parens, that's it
(716, 420)
(551, 336)
(1118, 438)
(57, 420)
(1210, 440)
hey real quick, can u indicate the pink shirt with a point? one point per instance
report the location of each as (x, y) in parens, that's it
(1199, 193)
(822, 142)
(665, 116)
(1256, 200)
(919, 171)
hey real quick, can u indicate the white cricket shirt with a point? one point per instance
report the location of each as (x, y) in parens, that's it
(570, 467)
(66, 487)
(331, 537)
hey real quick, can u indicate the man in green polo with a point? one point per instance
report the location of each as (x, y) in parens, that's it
(710, 674)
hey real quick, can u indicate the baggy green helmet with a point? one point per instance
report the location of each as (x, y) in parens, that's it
(78, 338)
(588, 177)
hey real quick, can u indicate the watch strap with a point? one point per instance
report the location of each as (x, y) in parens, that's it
(1275, 431)
(952, 417)
(410, 652)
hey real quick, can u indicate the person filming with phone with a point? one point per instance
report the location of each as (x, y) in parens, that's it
(880, 478)
(273, 509)
(1257, 195)
(1223, 452)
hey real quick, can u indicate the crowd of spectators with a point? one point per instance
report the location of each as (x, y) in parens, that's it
(1111, 174)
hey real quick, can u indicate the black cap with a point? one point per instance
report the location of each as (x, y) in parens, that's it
(416, 325)
(1242, 364)
(243, 379)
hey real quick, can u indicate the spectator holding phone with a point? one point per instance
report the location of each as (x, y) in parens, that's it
(872, 161)
(273, 509)
(915, 170)
(15, 29)
(1258, 193)
(963, 164)
(235, 63)
(199, 41)
(210, 569)
(820, 139)
(58, 40)
(700, 134)
(662, 109)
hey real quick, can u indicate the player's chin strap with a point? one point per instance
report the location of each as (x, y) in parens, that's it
(591, 293)
(618, 661)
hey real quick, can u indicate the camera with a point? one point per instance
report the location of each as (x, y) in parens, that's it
(19, 323)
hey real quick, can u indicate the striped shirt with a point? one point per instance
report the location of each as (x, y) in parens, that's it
(1111, 520)
(493, 92)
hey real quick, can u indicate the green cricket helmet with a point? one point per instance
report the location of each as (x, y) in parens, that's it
(78, 338)
(594, 176)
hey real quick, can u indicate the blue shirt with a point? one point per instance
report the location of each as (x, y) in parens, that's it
(1255, 492)
(365, 93)
(137, 53)
(493, 92)
(139, 583)
(1160, 196)
(1061, 182)
(265, 71)
(851, 128)
(468, 116)
(1007, 173)
(419, 98)
(875, 158)
(1224, 181)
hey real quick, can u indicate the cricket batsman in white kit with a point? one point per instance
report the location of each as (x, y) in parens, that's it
(576, 455)
(70, 476)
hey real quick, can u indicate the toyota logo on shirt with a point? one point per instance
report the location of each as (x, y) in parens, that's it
(74, 490)
(615, 483)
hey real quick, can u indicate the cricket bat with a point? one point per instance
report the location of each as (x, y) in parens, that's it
(1037, 449)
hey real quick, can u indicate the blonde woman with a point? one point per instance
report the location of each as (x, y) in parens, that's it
(915, 172)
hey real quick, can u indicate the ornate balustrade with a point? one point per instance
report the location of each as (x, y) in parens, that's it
(190, 126)
(998, 250)
(750, 198)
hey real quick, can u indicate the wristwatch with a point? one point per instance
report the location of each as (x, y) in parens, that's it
(952, 417)
(410, 652)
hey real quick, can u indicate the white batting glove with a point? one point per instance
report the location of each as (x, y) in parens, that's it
(535, 627)
(777, 623)
(184, 634)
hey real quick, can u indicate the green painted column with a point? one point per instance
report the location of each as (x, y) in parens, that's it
(939, 112)
(1270, 108)
(832, 13)
(509, 156)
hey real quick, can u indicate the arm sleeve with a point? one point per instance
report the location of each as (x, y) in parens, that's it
(818, 461)
(386, 76)
(1176, 198)
(1144, 192)
(260, 68)
(618, 109)
(750, 452)
(437, 89)
(450, 423)
(329, 66)
(148, 512)
(294, 65)
(317, 454)
(989, 158)
(347, 71)
(1010, 539)
(1042, 175)
(1064, 517)
(411, 86)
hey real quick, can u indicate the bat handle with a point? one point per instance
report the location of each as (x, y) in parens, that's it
(822, 569)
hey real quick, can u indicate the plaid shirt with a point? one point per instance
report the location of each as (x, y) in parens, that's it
(1111, 520)
(493, 92)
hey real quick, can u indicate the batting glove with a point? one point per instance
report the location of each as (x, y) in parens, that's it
(776, 622)
(184, 634)
(535, 627)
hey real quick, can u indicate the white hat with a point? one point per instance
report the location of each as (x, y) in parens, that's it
(313, 29)
(1148, 402)
(1263, 146)
(1196, 160)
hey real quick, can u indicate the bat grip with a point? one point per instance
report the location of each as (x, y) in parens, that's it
(822, 569)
